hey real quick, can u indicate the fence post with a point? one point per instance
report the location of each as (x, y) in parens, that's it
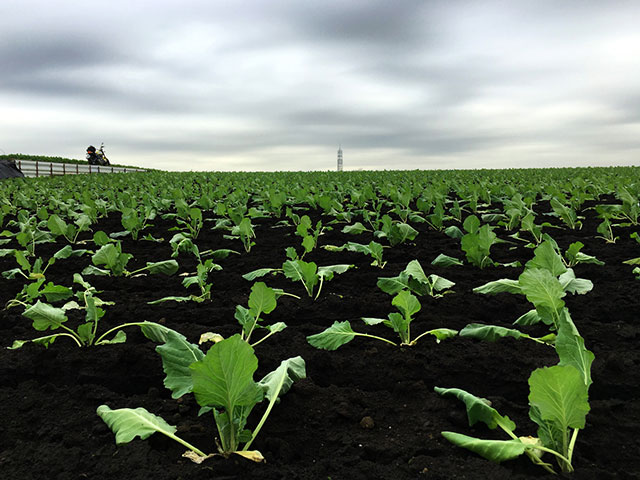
(89, 168)
(77, 172)
(98, 168)
(64, 170)
(37, 168)
(51, 169)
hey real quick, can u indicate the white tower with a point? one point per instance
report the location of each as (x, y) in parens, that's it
(339, 159)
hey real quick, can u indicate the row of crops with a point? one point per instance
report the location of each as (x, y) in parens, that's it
(257, 245)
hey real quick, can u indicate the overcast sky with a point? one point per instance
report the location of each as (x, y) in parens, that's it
(279, 85)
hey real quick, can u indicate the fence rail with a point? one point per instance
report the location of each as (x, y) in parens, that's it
(35, 168)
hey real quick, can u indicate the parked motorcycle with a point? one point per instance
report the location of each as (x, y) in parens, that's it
(97, 157)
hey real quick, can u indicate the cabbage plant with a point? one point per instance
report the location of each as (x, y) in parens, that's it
(222, 382)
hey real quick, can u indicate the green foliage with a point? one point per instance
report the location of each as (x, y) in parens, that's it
(477, 242)
(413, 279)
(222, 382)
(408, 305)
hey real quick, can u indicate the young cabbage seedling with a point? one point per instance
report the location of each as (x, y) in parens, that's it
(70, 232)
(545, 282)
(201, 279)
(114, 261)
(222, 382)
(306, 272)
(558, 402)
(414, 279)
(396, 232)
(45, 317)
(373, 249)
(309, 234)
(134, 221)
(262, 300)
(477, 242)
(341, 333)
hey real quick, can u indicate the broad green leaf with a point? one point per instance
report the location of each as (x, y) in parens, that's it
(222, 253)
(400, 325)
(414, 270)
(471, 224)
(129, 423)
(261, 272)
(333, 337)
(489, 333)
(560, 396)
(308, 243)
(546, 257)
(442, 333)
(63, 253)
(454, 232)
(328, 270)
(119, 337)
(542, 288)
(173, 299)
(402, 232)
(393, 285)
(245, 318)
(373, 321)
(575, 285)
(499, 286)
(262, 299)
(56, 225)
(22, 260)
(276, 327)
(299, 270)
(165, 267)
(111, 256)
(100, 238)
(85, 332)
(355, 229)
(224, 377)
(443, 260)
(83, 222)
(177, 355)
(155, 332)
(478, 409)
(280, 380)
(407, 303)
(570, 348)
(56, 293)
(439, 283)
(12, 273)
(493, 450)
(530, 318)
(45, 316)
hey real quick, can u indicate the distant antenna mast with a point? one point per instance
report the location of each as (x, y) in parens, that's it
(339, 158)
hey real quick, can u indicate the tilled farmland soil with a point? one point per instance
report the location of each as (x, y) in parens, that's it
(365, 411)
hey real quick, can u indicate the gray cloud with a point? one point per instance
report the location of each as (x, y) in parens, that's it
(278, 84)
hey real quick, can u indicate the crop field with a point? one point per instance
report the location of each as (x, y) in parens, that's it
(326, 325)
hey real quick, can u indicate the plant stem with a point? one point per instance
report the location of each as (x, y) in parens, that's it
(553, 452)
(261, 340)
(183, 442)
(97, 342)
(319, 288)
(75, 339)
(572, 444)
(376, 337)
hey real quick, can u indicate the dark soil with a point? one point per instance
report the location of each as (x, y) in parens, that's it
(365, 411)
